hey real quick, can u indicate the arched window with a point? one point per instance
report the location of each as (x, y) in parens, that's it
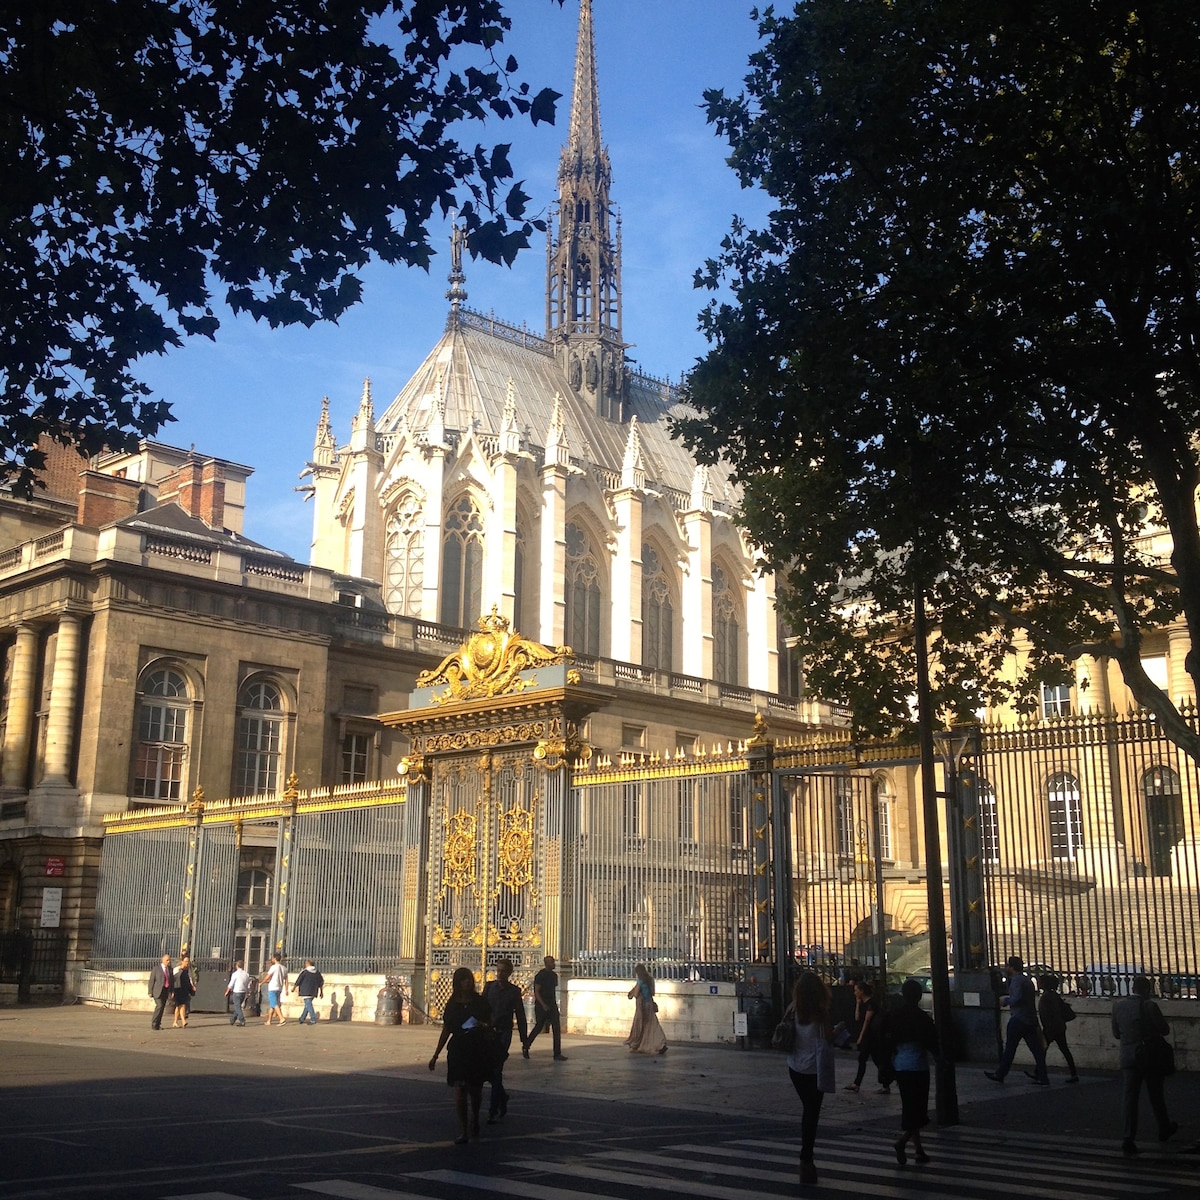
(883, 817)
(260, 739)
(405, 559)
(162, 736)
(727, 630)
(254, 888)
(1066, 816)
(462, 565)
(989, 824)
(582, 591)
(1165, 824)
(658, 613)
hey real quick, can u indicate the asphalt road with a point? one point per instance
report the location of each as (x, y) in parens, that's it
(95, 1105)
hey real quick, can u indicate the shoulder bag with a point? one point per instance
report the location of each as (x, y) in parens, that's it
(784, 1037)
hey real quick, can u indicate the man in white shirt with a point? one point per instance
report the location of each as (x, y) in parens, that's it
(276, 983)
(236, 989)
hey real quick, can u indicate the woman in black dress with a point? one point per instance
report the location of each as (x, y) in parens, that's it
(467, 1025)
(182, 992)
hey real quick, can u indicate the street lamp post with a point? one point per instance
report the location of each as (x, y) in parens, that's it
(939, 959)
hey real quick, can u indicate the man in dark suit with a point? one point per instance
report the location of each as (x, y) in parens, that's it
(161, 982)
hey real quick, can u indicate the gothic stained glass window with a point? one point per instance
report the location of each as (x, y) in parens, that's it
(582, 590)
(727, 630)
(658, 613)
(405, 559)
(462, 565)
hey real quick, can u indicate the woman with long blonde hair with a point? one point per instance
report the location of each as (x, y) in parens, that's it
(646, 1036)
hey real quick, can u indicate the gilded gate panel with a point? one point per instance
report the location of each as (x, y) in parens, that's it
(486, 838)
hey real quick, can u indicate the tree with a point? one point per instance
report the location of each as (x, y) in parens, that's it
(155, 154)
(962, 354)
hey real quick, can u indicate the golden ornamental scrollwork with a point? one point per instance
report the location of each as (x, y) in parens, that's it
(414, 768)
(490, 663)
(458, 853)
(552, 752)
(514, 850)
(472, 739)
(760, 737)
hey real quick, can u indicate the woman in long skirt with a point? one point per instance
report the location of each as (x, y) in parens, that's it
(467, 1025)
(646, 1036)
(913, 1036)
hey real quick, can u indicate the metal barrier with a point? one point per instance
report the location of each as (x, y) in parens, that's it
(99, 987)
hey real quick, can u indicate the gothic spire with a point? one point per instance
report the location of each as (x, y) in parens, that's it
(584, 145)
(583, 284)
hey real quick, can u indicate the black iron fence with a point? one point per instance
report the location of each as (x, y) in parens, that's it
(1089, 841)
(33, 958)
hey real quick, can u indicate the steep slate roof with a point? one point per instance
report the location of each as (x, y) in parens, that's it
(470, 368)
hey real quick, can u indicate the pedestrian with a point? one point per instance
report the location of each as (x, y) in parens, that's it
(161, 985)
(506, 1006)
(912, 1037)
(275, 980)
(646, 1036)
(1054, 1013)
(236, 989)
(810, 1061)
(1138, 1023)
(310, 984)
(1021, 1002)
(866, 1026)
(183, 989)
(466, 1024)
(545, 1008)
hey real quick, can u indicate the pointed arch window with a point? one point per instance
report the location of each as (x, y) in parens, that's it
(727, 629)
(658, 613)
(1066, 817)
(462, 565)
(519, 572)
(582, 593)
(405, 559)
(583, 290)
(260, 738)
(162, 738)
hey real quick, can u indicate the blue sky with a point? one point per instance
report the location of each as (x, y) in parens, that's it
(254, 395)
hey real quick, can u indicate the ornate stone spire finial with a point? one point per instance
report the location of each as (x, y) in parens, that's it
(633, 472)
(324, 445)
(557, 449)
(702, 497)
(365, 417)
(510, 435)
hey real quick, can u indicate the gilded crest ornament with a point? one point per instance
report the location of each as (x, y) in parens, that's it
(514, 868)
(458, 853)
(491, 663)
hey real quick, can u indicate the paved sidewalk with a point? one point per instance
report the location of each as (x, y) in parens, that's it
(688, 1077)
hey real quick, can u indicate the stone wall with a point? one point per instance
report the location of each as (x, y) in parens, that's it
(688, 1012)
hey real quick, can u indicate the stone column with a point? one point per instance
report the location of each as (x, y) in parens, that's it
(697, 596)
(21, 703)
(64, 686)
(762, 652)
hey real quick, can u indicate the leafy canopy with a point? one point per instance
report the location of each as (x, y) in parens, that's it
(154, 155)
(962, 354)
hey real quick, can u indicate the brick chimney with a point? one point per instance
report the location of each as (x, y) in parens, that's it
(199, 489)
(104, 499)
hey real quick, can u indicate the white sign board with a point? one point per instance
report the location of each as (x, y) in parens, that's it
(741, 1024)
(51, 907)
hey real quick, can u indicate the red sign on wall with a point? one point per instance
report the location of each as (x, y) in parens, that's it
(56, 866)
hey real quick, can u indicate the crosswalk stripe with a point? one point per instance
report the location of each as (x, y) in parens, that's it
(210, 1196)
(716, 1191)
(869, 1156)
(349, 1190)
(509, 1187)
(1115, 1173)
